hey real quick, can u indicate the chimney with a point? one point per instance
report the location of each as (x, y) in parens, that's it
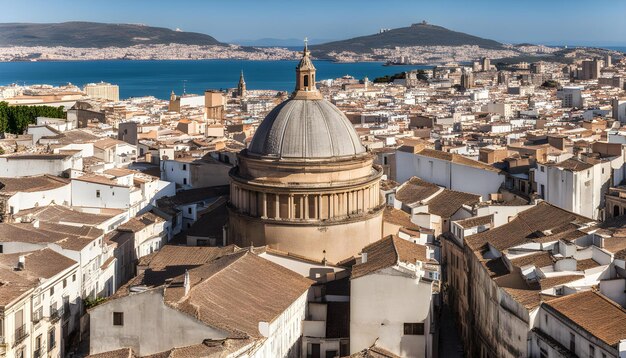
(186, 283)
(21, 262)
(363, 257)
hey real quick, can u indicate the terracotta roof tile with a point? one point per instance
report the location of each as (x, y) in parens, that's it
(387, 252)
(594, 313)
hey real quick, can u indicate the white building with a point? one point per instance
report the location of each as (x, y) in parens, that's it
(17, 194)
(584, 324)
(452, 171)
(23, 165)
(239, 293)
(574, 185)
(41, 303)
(119, 189)
(571, 96)
(391, 298)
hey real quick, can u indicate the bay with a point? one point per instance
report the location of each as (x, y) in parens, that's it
(159, 77)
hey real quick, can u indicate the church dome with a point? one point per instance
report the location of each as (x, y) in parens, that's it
(303, 128)
(306, 126)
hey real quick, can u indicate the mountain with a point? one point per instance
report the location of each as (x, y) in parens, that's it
(421, 34)
(94, 34)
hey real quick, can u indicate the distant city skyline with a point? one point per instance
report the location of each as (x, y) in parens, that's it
(557, 22)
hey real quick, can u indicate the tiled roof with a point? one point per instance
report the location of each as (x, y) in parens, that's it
(475, 221)
(118, 353)
(387, 253)
(237, 291)
(594, 313)
(573, 165)
(399, 217)
(539, 259)
(206, 349)
(415, 190)
(448, 202)
(31, 184)
(526, 227)
(457, 159)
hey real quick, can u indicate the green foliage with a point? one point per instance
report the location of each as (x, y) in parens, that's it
(15, 119)
(550, 84)
(389, 79)
(89, 302)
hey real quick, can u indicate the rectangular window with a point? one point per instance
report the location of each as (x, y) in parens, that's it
(52, 339)
(542, 168)
(545, 318)
(592, 351)
(543, 353)
(189, 210)
(184, 166)
(118, 318)
(185, 181)
(74, 278)
(414, 329)
(97, 193)
(572, 342)
(51, 291)
(64, 283)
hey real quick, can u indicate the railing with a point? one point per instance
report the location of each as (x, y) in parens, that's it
(20, 334)
(38, 315)
(55, 314)
(37, 353)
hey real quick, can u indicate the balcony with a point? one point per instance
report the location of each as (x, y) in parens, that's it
(55, 314)
(37, 353)
(38, 315)
(20, 335)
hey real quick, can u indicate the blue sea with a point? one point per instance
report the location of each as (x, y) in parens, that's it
(159, 78)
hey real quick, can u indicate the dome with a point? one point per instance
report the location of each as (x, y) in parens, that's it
(306, 129)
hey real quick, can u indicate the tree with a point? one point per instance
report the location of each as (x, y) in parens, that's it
(15, 119)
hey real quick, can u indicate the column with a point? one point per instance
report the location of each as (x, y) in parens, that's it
(306, 207)
(290, 203)
(264, 205)
(331, 206)
(277, 206)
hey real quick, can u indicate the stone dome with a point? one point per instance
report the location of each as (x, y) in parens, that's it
(306, 129)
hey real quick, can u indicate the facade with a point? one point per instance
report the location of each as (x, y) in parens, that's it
(571, 97)
(233, 295)
(306, 185)
(452, 171)
(391, 299)
(103, 90)
(575, 186)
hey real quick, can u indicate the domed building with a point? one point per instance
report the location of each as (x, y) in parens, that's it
(306, 185)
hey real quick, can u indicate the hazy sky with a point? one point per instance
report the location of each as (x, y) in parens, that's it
(575, 22)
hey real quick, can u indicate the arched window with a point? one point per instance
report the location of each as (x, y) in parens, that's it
(615, 210)
(306, 81)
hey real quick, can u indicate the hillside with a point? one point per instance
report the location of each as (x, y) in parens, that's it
(92, 34)
(420, 34)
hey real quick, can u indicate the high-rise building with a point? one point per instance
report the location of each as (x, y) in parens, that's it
(485, 63)
(241, 86)
(590, 70)
(467, 80)
(619, 109)
(607, 60)
(306, 185)
(571, 96)
(103, 90)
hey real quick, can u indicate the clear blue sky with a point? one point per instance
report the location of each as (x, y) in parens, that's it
(589, 22)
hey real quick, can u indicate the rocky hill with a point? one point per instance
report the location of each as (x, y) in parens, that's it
(421, 34)
(93, 34)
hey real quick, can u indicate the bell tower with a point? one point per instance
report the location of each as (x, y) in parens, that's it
(305, 77)
(241, 87)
